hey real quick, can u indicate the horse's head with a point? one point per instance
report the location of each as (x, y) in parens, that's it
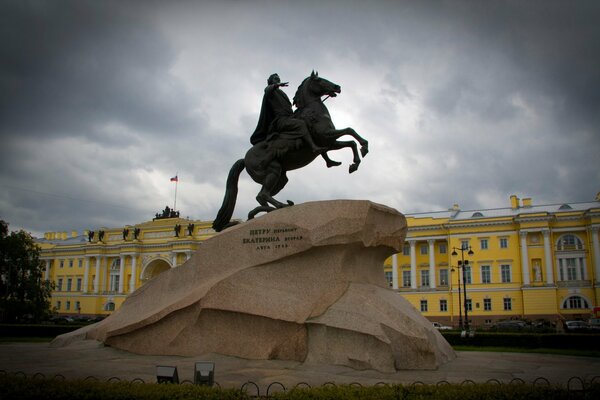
(313, 88)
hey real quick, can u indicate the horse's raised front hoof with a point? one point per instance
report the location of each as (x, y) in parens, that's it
(353, 167)
(364, 150)
(333, 164)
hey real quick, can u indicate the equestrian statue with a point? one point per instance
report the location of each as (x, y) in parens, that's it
(285, 140)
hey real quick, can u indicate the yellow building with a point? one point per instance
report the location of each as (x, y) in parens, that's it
(94, 272)
(528, 261)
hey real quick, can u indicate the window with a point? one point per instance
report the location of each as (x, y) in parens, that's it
(406, 250)
(115, 275)
(505, 273)
(507, 304)
(58, 305)
(77, 306)
(464, 244)
(467, 271)
(443, 305)
(79, 263)
(406, 278)
(423, 305)
(483, 244)
(469, 305)
(504, 243)
(424, 249)
(62, 263)
(573, 269)
(443, 277)
(59, 285)
(443, 248)
(68, 305)
(70, 263)
(389, 277)
(569, 242)
(487, 304)
(575, 302)
(486, 275)
(110, 306)
(79, 284)
(69, 284)
(425, 278)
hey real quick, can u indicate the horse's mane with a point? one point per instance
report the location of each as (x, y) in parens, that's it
(299, 96)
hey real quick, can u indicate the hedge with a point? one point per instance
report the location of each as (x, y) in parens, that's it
(573, 341)
(14, 387)
(31, 330)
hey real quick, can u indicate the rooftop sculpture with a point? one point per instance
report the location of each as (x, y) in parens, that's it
(285, 140)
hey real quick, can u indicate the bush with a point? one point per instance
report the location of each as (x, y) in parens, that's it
(13, 387)
(31, 330)
(571, 341)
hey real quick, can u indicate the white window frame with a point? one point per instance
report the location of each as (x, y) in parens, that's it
(425, 279)
(488, 273)
(424, 306)
(444, 280)
(509, 276)
(486, 302)
(443, 305)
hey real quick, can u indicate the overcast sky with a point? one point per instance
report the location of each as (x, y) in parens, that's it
(467, 102)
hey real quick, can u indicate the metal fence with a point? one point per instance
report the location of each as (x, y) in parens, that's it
(575, 385)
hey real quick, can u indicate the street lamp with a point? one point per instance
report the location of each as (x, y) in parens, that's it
(460, 320)
(462, 263)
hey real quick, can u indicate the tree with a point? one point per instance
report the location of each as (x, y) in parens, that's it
(24, 293)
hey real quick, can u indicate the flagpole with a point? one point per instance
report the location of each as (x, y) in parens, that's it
(176, 183)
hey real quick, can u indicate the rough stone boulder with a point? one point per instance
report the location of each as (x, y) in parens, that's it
(301, 283)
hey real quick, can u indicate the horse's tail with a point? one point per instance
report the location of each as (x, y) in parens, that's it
(231, 189)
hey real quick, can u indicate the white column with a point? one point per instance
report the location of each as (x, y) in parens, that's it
(121, 274)
(524, 258)
(548, 258)
(413, 264)
(395, 271)
(86, 274)
(133, 273)
(97, 277)
(188, 255)
(596, 247)
(47, 272)
(431, 263)
(174, 260)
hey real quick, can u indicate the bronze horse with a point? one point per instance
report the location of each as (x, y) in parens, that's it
(267, 162)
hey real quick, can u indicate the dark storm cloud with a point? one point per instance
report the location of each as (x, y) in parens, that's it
(70, 67)
(462, 101)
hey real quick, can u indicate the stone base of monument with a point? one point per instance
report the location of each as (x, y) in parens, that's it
(301, 283)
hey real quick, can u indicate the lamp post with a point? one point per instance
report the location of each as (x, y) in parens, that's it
(462, 263)
(460, 320)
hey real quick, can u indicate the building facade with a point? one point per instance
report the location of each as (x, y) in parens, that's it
(527, 261)
(94, 272)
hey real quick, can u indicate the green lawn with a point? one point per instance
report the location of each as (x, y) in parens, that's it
(566, 352)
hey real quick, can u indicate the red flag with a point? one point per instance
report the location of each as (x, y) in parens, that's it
(175, 179)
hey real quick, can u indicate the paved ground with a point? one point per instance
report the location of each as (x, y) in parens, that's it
(90, 358)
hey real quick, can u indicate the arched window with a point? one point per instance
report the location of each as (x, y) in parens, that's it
(569, 242)
(110, 306)
(565, 207)
(477, 215)
(575, 302)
